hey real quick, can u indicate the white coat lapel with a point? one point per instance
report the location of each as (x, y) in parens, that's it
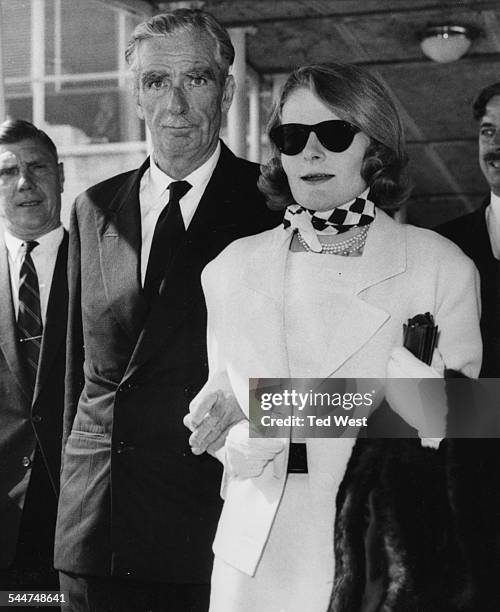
(263, 282)
(265, 271)
(384, 257)
(355, 320)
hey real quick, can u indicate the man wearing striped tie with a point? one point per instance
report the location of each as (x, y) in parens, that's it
(33, 313)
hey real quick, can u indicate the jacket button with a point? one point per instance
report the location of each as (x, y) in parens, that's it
(37, 418)
(26, 462)
(127, 387)
(124, 447)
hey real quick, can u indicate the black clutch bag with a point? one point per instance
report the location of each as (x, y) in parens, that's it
(421, 336)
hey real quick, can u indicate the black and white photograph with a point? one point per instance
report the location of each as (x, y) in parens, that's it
(250, 305)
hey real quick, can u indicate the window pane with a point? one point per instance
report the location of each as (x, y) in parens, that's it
(15, 38)
(92, 112)
(14, 90)
(88, 37)
(19, 108)
(82, 39)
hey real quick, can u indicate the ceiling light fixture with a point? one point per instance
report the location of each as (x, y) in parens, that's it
(446, 43)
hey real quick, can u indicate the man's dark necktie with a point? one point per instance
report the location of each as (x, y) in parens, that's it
(167, 237)
(29, 319)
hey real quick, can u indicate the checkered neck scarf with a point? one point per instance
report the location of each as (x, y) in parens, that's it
(310, 223)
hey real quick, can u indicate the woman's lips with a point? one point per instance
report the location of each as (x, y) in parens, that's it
(316, 178)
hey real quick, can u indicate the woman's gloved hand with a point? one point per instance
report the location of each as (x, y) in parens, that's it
(247, 457)
(416, 392)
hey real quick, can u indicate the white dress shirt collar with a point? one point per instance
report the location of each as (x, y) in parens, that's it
(47, 244)
(198, 179)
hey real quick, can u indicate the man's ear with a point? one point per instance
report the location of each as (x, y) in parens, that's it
(60, 169)
(138, 107)
(228, 93)
(138, 110)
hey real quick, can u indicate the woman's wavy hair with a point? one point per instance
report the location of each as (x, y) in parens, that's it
(354, 95)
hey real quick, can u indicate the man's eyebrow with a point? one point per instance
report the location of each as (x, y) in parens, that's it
(200, 68)
(8, 165)
(149, 74)
(203, 70)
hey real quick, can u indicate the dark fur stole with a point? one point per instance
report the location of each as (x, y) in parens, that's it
(418, 529)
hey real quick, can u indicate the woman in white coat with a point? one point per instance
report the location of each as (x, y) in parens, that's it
(325, 295)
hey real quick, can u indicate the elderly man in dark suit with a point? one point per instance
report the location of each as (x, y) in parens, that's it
(477, 462)
(33, 307)
(138, 511)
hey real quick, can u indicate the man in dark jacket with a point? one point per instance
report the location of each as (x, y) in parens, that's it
(33, 309)
(478, 233)
(138, 512)
(474, 465)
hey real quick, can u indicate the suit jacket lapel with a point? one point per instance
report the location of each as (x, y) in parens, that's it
(119, 232)
(55, 322)
(217, 206)
(8, 327)
(476, 241)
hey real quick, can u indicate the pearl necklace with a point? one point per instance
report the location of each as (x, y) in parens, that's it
(344, 247)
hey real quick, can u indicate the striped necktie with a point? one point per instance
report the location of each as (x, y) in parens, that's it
(29, 319)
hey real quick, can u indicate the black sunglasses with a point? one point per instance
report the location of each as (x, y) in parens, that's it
(334, 135)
